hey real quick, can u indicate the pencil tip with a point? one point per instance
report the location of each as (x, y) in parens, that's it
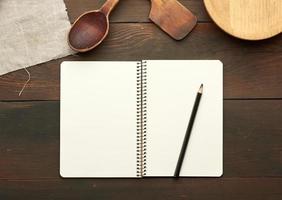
(201, 88)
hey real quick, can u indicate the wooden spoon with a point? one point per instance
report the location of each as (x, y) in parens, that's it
(172, 17)
(91, 28)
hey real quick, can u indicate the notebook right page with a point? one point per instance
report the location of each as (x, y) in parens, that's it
(171, 90)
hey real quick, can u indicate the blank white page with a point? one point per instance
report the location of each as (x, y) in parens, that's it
(98, 119)
(172, 87)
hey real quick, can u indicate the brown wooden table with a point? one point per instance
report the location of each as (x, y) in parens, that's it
(29, 125)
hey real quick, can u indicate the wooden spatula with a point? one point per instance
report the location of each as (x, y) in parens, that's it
(172, 17)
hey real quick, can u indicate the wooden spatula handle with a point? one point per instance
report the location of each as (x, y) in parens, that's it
(108, 6)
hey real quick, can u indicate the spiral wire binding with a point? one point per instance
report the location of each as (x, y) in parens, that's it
(144, 116)
(141, 118)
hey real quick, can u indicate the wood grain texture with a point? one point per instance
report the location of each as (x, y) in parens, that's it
(29, 131)
(247, 19)
(30, 139)
(131, 10)
(251, 70)
(149, 189)
(173, 18)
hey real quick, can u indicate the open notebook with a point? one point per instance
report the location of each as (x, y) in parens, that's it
(128, 119)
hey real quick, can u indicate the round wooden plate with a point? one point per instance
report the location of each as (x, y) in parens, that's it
(247, 19)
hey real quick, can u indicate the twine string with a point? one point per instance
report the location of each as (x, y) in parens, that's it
(27, 81)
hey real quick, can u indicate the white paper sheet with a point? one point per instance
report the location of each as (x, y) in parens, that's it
(98, 119)
(172, 87)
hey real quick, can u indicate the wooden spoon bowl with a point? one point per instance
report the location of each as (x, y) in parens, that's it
(91, 28)
(88, 33)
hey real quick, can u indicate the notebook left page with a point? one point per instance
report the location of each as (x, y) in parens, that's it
(98, 119)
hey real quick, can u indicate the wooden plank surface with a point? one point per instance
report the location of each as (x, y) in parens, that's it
(149, 189)
(29, 130)
(251, 70)
(30, 139)
(130, 10)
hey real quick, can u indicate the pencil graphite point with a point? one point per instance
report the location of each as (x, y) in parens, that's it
(201, 89)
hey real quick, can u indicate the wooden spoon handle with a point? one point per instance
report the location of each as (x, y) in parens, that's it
(108, 6)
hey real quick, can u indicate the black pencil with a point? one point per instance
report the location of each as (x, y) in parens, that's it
(188, 132)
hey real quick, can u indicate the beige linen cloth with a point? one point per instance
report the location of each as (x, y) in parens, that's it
(32, 32)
